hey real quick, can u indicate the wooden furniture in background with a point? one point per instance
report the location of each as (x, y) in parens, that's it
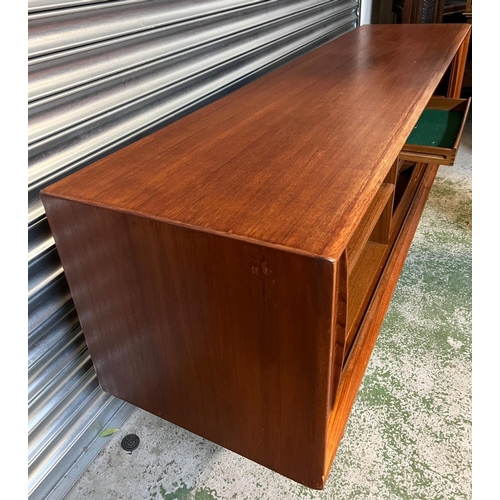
(231, 271)
(468, 11)
(467, 83)
(382, 12)
(427, 11)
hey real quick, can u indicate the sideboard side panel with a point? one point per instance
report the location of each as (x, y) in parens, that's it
(226, 338)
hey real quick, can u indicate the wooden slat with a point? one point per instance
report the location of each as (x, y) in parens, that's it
(340, 315)
(360, 285)
(357, 243)
(407, 197)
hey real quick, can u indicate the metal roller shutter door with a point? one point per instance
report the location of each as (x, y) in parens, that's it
(101, 75)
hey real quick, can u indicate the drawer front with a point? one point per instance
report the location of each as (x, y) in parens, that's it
(437, 134)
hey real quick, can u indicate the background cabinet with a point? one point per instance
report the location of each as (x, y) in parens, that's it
(429, 11)
(425, 12)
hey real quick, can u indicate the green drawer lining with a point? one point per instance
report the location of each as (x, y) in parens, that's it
(436, 127)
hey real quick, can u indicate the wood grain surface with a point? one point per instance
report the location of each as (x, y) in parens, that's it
(210, 263)
(228, 339)
(293, 159)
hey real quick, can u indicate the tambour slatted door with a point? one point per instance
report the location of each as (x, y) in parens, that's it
(101, 75)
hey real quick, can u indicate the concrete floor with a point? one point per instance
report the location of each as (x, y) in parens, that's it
(409, 433)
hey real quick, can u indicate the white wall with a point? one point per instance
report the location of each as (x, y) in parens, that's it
(366, 12)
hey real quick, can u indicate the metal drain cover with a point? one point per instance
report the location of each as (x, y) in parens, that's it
(130, 442)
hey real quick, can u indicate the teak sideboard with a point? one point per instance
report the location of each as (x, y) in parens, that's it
(232, 270)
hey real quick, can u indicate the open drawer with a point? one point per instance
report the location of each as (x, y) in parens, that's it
(437, 134)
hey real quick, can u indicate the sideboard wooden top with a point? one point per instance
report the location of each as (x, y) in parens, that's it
(294, 158)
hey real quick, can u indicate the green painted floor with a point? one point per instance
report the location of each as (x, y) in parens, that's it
(409, 433)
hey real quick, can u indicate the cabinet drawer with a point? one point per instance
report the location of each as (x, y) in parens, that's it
(437, 134)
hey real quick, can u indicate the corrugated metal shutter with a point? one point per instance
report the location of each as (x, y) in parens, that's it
(102, 74)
